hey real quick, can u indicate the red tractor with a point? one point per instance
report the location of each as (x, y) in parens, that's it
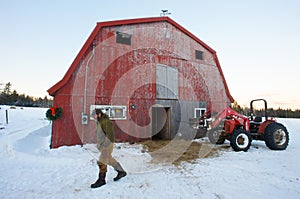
(240, 130)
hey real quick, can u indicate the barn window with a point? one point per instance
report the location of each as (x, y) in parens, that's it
(113, 112)
(199, 54)
(198, 112)
(123, 38)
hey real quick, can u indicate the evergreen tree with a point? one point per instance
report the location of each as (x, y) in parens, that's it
(7, 89)
(13, 98)
(281, 113)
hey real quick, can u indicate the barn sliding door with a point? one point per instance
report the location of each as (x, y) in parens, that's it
(166, 82)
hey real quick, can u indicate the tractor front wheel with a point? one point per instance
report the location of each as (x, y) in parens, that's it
(240, 140)
(276, 136)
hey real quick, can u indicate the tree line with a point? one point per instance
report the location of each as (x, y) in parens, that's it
(279, 112)
(9, 97)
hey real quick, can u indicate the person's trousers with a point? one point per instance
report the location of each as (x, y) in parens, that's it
(106, 158)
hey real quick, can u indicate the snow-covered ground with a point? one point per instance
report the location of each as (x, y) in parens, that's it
(29, 169)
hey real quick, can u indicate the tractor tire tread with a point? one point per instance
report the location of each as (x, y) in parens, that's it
(269, 136)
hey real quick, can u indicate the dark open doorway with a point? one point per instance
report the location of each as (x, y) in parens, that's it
(161, 123)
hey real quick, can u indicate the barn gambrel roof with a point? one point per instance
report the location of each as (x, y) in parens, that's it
(100, 25)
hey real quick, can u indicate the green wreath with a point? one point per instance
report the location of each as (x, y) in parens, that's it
(54, 113)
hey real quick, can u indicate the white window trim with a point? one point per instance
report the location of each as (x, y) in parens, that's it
(199, 109)
(108, 109)
(202, 110)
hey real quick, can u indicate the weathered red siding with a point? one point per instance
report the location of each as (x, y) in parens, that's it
(105, 72)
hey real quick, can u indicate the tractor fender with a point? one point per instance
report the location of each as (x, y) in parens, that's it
(262, 126)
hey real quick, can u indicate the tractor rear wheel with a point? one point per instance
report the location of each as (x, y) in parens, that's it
(276, 136)
(240, 140)
(215, 137)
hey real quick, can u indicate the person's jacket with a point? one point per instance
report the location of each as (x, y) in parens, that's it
(105, 132)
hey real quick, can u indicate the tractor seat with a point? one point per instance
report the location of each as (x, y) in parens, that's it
(258, 119)
(254, 125)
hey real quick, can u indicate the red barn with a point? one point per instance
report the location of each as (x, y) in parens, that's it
(150, 75)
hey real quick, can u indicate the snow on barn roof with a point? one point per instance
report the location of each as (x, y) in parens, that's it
(100, 25)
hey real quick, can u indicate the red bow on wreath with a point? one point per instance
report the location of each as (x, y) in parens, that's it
(54, 113)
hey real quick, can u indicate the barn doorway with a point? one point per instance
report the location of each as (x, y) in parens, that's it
(161, 123)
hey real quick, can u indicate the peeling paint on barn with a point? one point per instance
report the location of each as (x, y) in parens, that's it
(150, 74)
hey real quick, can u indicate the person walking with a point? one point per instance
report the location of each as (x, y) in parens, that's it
(106, 138)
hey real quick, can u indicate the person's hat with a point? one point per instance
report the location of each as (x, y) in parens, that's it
(98, 111)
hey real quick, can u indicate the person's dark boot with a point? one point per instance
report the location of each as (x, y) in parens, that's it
(120, 175)
(121, 172)
(100, 182)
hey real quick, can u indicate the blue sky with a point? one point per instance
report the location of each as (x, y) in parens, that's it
(257, 42)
